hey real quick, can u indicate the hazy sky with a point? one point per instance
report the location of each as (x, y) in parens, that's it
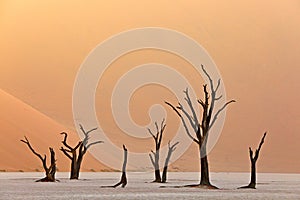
(255, 44)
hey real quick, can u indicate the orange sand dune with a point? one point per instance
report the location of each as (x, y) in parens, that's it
(18, 119)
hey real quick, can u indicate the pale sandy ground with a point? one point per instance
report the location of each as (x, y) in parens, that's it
(271, 186)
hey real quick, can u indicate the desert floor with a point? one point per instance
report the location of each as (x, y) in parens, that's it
(270, 186)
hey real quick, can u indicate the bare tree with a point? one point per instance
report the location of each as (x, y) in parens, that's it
(253, 160)
(123, 181)
(171, 149)
(154, 157)
(75, 156)
(49, 171)
(201, 130)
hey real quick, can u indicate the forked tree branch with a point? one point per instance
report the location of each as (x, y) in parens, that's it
(26, 141)
(259, 147)
(219, 111)
(183, 122)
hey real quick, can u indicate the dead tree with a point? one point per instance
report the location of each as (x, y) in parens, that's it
(49, 171)
(171, 149)
(75, 156)
(123, 181)
(253, 160)
(157, 139)
(201, 129)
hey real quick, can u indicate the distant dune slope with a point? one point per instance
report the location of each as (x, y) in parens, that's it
(18, 119)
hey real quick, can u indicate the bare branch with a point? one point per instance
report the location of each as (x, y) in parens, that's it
(78, 145)
(192, 122)
(208, 76)
(93, 129)
(260, 145)
(152, 160)
(26, 141)
(65, 151)
(219, 111)
(201, 102)
(93, 143)
(151, 133)
(163, 126)
(172, 147)
(153, 152)
(218, 98)
(188, 100)
(218, 85)
(183, 122)
(251, 153)
(173, 108)
(65, 140)
(157, 130)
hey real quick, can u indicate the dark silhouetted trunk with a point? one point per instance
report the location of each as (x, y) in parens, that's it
(156, 167)
(171, 149)
(252, 183)
(157, 176)
(123, 181)
(204, 180)
(253, 159)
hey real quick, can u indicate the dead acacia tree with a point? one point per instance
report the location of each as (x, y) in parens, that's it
(253, 159)
(155, 158)
(201, 129)
(75, 156)
(123, 181)
(171, 149)
(49, 171)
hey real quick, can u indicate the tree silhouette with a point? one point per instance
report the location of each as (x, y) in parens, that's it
(253, 159)
(171, 149)
(49, 171)
(123, 181)
(201, 130)
(155, 158)
(75, 156)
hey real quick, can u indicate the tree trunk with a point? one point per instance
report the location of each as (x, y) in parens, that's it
(50, 172)
(53, 164)
(164, 175)
(204, 180)
(253, 159)
(123, 181)
(252, 183)
(157, 176)
(78, 166)
(157, 171)
(73, 166)
(171, 149)
(74, 173)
